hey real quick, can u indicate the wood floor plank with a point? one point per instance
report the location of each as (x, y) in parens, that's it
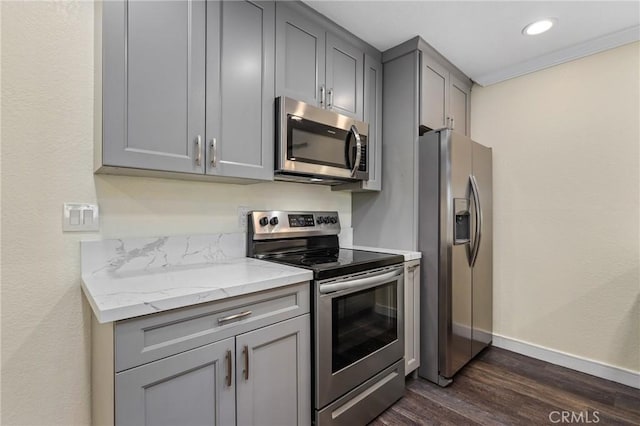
(504, 388)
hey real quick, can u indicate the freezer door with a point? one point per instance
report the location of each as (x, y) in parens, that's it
(483, 267)
(455, 316)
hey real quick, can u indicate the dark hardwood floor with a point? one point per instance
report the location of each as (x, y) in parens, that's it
(505, 388)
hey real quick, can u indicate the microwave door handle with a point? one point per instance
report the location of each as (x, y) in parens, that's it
(356, 162)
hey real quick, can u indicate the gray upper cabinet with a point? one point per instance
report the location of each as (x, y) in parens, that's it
(240, 89)
(300, 56)
(191, 388)
(153, 84)
(315, 65)
(344, 74)
(459, 105)
(434, 94)
(444, 95)
(373, 116)
(188, 86)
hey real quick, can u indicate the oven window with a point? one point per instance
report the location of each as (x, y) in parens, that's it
(315, 143)
(363, 322)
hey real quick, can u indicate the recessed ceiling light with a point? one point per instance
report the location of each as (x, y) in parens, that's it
(539, 27)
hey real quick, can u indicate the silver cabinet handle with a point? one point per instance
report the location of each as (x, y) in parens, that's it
(234, 317)
(229, 367)
(213, 150)
(356, 162)
(198, 150)
(322, 96)
(245, 353)
(330, 101)
(478, 234)
(453, 123)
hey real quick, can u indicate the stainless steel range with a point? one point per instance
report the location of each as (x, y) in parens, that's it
(358, 331)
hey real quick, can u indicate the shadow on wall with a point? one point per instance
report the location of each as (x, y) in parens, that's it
(42, 353)
(136, 206)
(619, 346)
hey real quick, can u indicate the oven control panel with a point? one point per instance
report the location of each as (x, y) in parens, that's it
(270, 224)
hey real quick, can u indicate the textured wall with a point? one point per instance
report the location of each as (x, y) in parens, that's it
(47, 157)
(566, 188)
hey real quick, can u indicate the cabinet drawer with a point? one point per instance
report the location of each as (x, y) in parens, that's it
(152, 337)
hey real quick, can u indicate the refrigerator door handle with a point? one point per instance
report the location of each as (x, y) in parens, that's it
(478, 213)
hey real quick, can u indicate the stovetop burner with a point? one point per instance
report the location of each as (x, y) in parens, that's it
(309, 240)
(343, 262)
(320, 260)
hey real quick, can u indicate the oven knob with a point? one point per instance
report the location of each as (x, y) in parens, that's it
(333, 219)
(274, 221)
(320, 220)
(264, 221)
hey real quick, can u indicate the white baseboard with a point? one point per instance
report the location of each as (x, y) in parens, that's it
(563, 359)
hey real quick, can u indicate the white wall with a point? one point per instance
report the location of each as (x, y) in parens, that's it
(47, 159)
(566, 189)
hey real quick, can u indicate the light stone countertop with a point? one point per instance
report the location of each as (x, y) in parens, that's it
(408, 255)
(123, 279)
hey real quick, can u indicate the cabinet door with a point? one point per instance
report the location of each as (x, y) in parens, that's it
(300, 56)
(434, 93)
(459, 94)
(153, 85)
(373, 116)
(344, 76)
(186, 389)
(412, 316)
(274, 374)
(240, 89)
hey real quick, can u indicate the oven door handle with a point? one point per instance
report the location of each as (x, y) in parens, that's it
(359, 282)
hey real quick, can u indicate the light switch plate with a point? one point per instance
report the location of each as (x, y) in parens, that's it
(80, 217)
(242, 217)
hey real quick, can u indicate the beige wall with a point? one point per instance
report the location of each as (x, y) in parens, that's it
(566, 189)
(47, 154)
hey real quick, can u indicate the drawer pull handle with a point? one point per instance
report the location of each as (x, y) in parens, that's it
(245, 352)
(234, 317)
(228, 377)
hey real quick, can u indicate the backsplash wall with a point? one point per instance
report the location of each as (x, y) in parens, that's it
(47, 159)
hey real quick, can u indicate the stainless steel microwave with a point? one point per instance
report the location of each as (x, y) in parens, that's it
(318, 145)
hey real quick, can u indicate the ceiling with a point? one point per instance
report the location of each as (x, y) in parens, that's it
(483, 38)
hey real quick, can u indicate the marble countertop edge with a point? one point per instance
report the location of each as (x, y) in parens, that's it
(157, 292)
(408, 254)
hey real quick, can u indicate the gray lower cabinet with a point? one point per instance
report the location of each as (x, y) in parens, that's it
(191, 388)
(315, 65)
(273, 374)
(244, 360)
(262, 377)
(411, 316)
(187, 87)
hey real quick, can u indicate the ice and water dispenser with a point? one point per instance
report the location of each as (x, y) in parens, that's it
(462, 221)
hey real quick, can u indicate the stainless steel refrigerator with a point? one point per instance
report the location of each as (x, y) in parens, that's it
(455, 226)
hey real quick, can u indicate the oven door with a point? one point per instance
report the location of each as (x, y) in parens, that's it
(359, 330)
(317, 142)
